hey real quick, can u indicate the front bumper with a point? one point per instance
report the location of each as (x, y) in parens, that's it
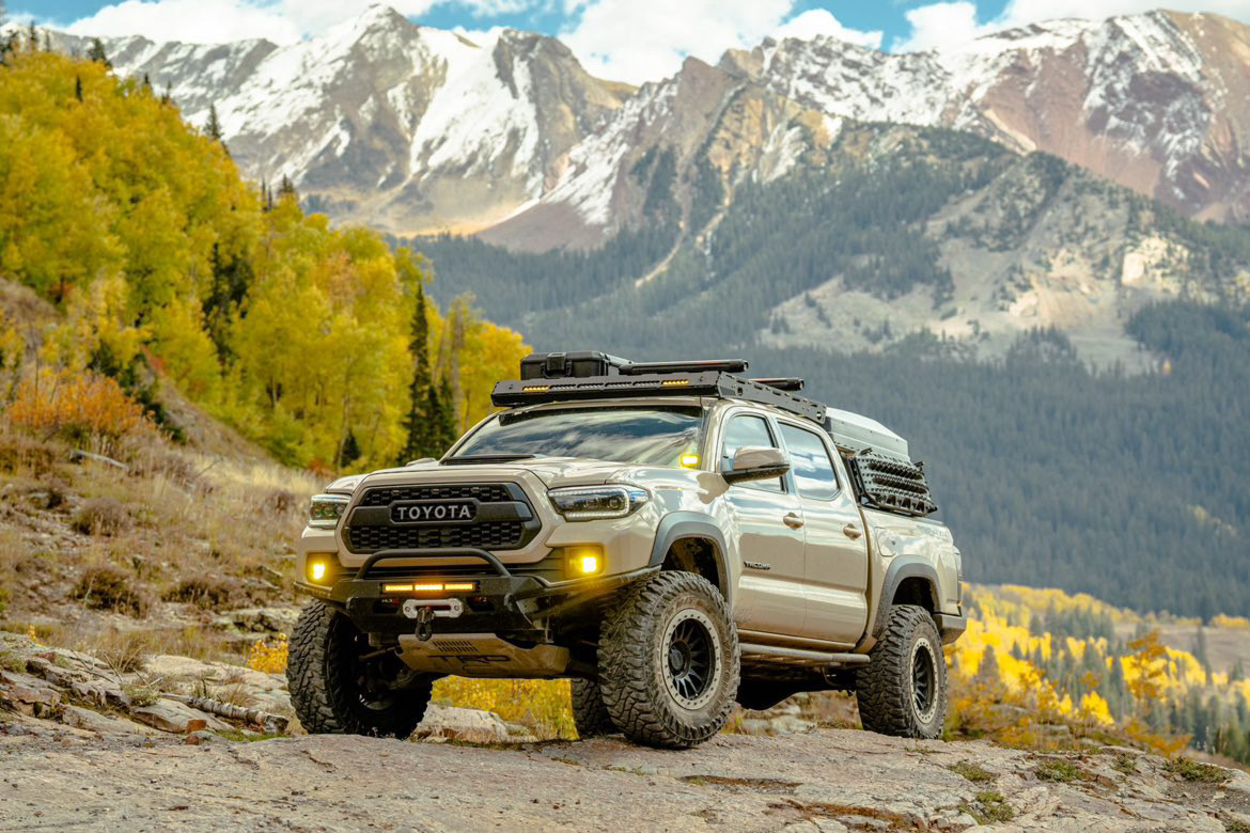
(520, 607)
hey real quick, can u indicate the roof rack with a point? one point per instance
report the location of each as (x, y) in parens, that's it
(563, 377)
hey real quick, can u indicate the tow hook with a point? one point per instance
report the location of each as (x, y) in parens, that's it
(424, 611)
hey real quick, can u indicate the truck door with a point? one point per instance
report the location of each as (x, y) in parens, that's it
(770, 596)
(836, 552)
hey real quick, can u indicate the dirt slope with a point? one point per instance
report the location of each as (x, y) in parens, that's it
(832, 780)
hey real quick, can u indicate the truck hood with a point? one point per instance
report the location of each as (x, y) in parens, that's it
(552, 471)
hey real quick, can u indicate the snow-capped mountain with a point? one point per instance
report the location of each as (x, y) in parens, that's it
(413, 129)
(407, 128)
(1158, 102)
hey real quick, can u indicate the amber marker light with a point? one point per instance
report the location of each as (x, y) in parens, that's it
(583, 561)
(460, 586)
(318, 569)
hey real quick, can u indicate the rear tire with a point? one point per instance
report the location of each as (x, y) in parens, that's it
(590, 715)
(335, 692)
(668, 661)
(902, 690)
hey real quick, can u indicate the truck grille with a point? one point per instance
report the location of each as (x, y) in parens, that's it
(500, 535)
(488, 493)
(509, 524)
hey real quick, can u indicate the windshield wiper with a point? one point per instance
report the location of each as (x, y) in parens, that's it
(476, 459)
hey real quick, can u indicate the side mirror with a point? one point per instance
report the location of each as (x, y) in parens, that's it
(751, 463)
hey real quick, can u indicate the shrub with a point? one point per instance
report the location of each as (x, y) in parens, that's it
(102, 516)
(271, 659)
(1059, 771)
(281, 502)
(108, 588)
(82, 408)
(1187, 769)
(125, 652)
(206, 591)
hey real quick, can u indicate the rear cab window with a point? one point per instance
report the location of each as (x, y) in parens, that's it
(810, 463)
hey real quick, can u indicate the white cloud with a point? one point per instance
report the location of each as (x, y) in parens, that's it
(1019, 12)
(281, 21)
(818, 22)
(949, 24)
(940, 25)
(646, 40)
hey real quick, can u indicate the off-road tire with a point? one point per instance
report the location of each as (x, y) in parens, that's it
(590, 715)
(908, 659)
(327, 698)
(640, 688)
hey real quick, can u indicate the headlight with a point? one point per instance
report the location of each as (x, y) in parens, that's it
(325, 510)
(587, 503)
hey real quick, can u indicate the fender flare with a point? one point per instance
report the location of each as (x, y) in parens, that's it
(904, 567)
(678, 525)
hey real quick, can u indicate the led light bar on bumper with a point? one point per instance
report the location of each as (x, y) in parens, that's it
(324, 511)
(589, 503)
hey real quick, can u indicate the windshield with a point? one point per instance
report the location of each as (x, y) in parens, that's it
(643, 436)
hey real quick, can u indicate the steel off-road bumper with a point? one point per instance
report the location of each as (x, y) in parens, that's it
(515, 607)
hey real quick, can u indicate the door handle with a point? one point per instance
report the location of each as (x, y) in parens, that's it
(793, 521)
(851, 531)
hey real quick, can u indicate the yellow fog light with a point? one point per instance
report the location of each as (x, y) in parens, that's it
(584, 561)
(318, 569)
(690, 461)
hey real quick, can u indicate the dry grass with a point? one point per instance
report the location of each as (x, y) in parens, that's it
(109, 588)
(101, 516)
(169, 541)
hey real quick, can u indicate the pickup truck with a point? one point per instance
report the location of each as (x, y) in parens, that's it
(673, 537)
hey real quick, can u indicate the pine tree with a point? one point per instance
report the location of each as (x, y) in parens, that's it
(443, 409)
(420, 425)
(213, 130)
(47, 42)
(167, 97)
(287, 189)
(32, 38)
(96, 53)
(78, 88)
(147, 83)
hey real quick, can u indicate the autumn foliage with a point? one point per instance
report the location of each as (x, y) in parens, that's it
(167, 264)
(83, 408)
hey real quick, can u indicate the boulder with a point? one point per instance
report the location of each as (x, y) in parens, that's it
(103, 724)
(444, 723)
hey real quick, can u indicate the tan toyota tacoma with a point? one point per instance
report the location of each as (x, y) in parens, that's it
(673, 537)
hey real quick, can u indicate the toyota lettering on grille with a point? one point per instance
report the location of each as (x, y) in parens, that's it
(442, 512)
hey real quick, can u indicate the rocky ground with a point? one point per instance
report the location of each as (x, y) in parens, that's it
(83, 746)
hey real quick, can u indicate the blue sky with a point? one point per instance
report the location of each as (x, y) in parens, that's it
(631, 40)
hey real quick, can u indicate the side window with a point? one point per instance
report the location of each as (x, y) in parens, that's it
(810, 463)
(743, 432)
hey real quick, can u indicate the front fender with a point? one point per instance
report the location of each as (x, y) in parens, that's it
(678, 525)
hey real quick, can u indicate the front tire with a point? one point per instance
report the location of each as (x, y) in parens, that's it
(668, 661)
(902, 690)
(336, 689)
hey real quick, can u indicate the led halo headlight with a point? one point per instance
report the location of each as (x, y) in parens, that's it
(589, 503)
(324, 511)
